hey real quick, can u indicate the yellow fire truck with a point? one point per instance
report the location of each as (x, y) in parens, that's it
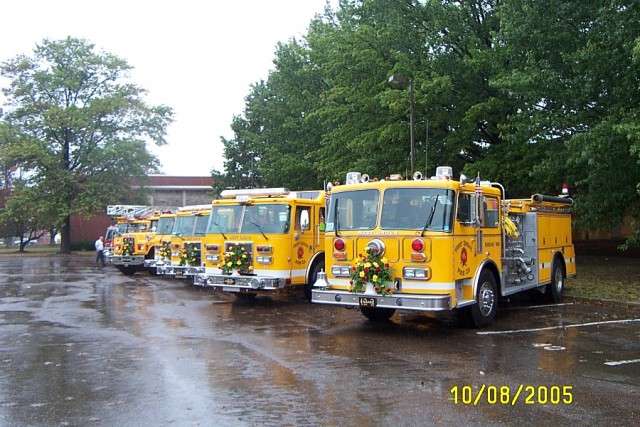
(442, 244)
(185, 243)
(135, 247)
(161, 242)
(264, 240)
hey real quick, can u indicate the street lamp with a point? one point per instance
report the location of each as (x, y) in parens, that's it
(402, 82)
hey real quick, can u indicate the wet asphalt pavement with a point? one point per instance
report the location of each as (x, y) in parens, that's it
(83, 346)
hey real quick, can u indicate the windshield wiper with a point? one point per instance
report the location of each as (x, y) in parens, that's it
(432, 212)
(336, 215)
(259, 228)
(219, 228)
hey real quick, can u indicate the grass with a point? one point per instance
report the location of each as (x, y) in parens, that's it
(606, 278)
(599, 277)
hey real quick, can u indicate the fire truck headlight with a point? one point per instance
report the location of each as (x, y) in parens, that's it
(341, 271)
(262, 259)
(376, 246)
(254, 283)
(416, 273)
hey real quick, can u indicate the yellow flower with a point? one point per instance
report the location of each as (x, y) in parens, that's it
(367, 264)
(376, 265)
(362, 274)
(383, 260)
(229, 264)
(375, 277)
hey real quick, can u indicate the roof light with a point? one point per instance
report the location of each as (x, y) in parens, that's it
(353, 177)
(254, 192)
(444, 172)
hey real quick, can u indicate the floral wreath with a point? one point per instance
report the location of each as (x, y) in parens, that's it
(236, 259)
(189, 255)
(370, 267)
(127, 247)
(165, 250)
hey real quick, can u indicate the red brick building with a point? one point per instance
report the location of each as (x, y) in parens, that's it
(164, 191)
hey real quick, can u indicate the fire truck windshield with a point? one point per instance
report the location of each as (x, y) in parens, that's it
(400, 209)
(250, 219)
(165, 225)
(184, 225)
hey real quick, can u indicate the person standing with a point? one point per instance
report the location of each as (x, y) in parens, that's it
(100, 252)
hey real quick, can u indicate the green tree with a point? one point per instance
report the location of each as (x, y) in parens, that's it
(25, 219)
(83, 128)
(573, 73)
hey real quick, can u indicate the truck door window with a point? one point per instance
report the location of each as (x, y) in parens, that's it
(491, 217)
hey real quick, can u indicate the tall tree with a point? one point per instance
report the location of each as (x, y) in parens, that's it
(572, 71)
(83, 128)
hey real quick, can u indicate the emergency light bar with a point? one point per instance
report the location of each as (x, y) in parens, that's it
(194, 208)
(444, 172)
(254, 192)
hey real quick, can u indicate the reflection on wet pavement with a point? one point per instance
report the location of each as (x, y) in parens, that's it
(80, 345)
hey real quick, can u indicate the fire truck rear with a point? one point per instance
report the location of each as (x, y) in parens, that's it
(444, 245)
(185, 242)
(264, 240)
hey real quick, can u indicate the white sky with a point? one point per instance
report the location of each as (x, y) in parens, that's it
(197, 56)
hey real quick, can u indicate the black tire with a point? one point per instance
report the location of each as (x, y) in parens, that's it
(483, 312)
(377, 314)
(245, 296)
(554, 290)
(127, 271)
(312, 279)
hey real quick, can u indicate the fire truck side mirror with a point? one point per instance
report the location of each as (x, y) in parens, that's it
(304, 220)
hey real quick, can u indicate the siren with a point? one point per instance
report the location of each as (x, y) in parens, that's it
(364, 178)
(417, 176)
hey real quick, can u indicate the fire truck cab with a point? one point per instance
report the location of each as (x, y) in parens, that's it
(161, 242)
(185, 243)
(448, 245)
(134, 249)
(264, 240)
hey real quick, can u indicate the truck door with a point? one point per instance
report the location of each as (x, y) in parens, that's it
(302, 247)
(464, 241)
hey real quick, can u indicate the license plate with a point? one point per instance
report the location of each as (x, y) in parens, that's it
(126, 264)
(367, 302)
(178, 272)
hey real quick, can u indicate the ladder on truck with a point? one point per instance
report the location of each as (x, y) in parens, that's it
(136, 211)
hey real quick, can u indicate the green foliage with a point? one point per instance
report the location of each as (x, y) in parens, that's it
(530, 93)
(80, 129)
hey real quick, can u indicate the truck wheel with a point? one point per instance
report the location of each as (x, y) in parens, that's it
(483, 311)
(127, 271)
(312, 279)
(555, 288)
(377, 314)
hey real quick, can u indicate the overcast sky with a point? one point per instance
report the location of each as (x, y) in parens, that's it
(197, 56)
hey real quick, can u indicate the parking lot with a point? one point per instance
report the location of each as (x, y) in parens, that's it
(87, 346)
